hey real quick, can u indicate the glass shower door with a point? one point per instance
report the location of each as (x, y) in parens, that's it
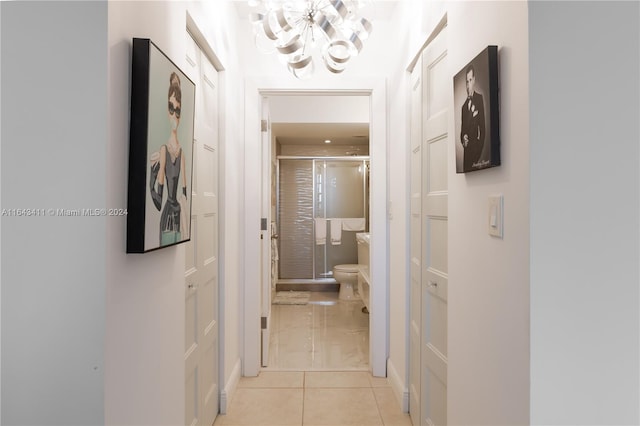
(340, 193)
(318, 188)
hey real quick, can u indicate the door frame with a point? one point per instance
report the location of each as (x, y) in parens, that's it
(255, 89)
(265, 238)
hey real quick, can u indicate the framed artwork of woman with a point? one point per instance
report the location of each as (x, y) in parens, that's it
(160, 151)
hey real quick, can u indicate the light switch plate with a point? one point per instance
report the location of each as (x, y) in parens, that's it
(496, 214)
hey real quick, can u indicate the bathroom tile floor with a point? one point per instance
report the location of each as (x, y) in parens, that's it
(326, 334)
(317, 373)
(330, 398)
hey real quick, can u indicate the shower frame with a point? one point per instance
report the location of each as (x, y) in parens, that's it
(364, 159)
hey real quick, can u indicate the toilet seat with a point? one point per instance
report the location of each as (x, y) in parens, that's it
(347, 268)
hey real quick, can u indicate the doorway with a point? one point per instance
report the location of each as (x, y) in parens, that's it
(318, 173)
(253, 325)
(321, 173)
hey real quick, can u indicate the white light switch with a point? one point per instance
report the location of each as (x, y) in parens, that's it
(495, 215)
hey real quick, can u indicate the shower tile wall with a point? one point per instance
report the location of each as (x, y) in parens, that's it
(296, 219)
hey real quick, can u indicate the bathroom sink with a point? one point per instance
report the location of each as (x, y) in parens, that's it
(364, 241)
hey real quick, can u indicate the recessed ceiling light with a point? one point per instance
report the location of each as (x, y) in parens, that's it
(327, 141)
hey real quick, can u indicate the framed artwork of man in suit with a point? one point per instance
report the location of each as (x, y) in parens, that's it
(476, 99)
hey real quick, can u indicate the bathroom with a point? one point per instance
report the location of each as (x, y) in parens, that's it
(320, 210)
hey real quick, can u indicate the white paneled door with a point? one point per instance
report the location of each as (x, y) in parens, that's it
(415, 316)
(201, 269)
(435, 141)
(431, 87)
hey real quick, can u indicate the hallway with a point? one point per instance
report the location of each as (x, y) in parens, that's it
(542, 325)
(314, 398)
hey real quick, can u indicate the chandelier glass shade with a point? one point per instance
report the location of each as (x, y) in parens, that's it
(304, 32)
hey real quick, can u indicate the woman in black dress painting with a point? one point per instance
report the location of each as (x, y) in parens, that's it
(166, 166)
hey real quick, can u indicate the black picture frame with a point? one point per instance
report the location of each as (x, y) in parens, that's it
(477, 120)
(160, 147)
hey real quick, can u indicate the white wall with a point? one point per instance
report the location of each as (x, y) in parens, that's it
(489, 277)
(422, 18)
(54, 141)
(488, 282)
(145, 292)
(397, 364)
(584, 340)
(585, 106)
(319, 109)
(91, 335)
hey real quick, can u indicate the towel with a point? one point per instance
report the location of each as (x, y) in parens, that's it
(321, 230)
(355, 224)
(336, 231)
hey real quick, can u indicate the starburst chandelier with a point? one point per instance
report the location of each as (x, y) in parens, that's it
(303, 32)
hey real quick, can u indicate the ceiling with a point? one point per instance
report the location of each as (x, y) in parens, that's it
(317, 133)
(377, 10)
(350, 134)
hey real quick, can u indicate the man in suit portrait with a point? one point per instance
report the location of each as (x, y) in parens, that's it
(472, 131)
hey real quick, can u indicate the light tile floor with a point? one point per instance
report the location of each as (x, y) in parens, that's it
(318, 372)
(340, 398)
(325, 334)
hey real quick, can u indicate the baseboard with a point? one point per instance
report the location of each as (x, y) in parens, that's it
(398, 385)
(230, 387)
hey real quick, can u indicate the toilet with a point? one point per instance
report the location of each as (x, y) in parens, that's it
(347, 276)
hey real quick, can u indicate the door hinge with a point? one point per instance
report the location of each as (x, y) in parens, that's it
(263, 322)
(264, 125)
